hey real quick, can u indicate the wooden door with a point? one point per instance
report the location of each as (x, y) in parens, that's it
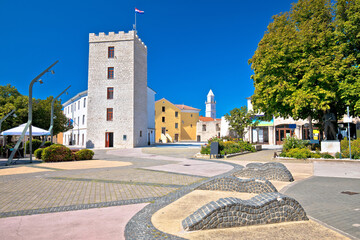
(109, 139)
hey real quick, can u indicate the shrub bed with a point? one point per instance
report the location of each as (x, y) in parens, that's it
(228, 147)
(56, 153)
(298, 148)
(303, 153)
(355, 148)
(84, 154)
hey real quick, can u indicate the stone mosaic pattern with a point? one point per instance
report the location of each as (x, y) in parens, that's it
(234, 184)
(234, 212)
(270, 171)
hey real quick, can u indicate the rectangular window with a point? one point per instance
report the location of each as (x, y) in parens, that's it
(84, 102)
(140, 133)
(109, 114)
(163, 119)
(111, 52)
(110, 72)
(124, 137)
(110, 93)
(204, 127)
(176, 114)
(74, 107)
(176, 125)
(79, 104)
(163, 109)
(83, 119)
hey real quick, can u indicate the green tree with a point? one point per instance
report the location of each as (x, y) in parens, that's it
(240, 119)
(10, 98)
(303, 67)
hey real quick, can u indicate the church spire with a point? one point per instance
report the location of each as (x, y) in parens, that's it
(210, 105)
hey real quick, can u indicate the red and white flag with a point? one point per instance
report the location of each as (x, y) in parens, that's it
(139, 11)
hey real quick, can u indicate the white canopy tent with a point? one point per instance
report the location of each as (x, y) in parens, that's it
(17, 131)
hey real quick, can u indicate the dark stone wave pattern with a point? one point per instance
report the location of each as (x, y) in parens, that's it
(271, 171)
(235, 184)
(234, 212)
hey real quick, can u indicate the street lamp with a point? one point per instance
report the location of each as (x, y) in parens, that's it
(52, 113)
(3, 119)
(28, 125)
(7, 115)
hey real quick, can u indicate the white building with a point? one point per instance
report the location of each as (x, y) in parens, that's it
(76, 110)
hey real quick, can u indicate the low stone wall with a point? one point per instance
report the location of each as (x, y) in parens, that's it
(233, 212)
(271, 171)
(235, 184)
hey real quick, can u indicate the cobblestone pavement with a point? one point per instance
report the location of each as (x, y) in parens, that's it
(322, 199)
(64, 190)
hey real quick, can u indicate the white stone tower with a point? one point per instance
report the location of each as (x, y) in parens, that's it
(117, 91)
(210, 105)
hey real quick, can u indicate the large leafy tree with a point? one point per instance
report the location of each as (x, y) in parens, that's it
(10, 99)
(240, 119)
(306, 65)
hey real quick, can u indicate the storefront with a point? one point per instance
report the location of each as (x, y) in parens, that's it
(284, 131)
(260, 133)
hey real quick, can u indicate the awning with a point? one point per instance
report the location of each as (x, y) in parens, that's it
(17, 131)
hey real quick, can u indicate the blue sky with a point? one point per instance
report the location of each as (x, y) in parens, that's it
(193, 45)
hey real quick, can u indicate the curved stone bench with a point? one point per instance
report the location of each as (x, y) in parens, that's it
(270, 171)
(233, 212)
(235, 184)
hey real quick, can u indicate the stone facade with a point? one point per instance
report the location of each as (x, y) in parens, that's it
(129, 104)
(265, 208)
(207, 128)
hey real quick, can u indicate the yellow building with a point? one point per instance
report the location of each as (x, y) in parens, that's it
(175, 123)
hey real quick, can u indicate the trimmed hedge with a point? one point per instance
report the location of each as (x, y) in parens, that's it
(229, 147)
(84, 154)
(56, 153)
(35, 145)
(48, 144)
(38, 153)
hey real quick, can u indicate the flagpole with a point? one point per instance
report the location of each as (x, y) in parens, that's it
(135, 20)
